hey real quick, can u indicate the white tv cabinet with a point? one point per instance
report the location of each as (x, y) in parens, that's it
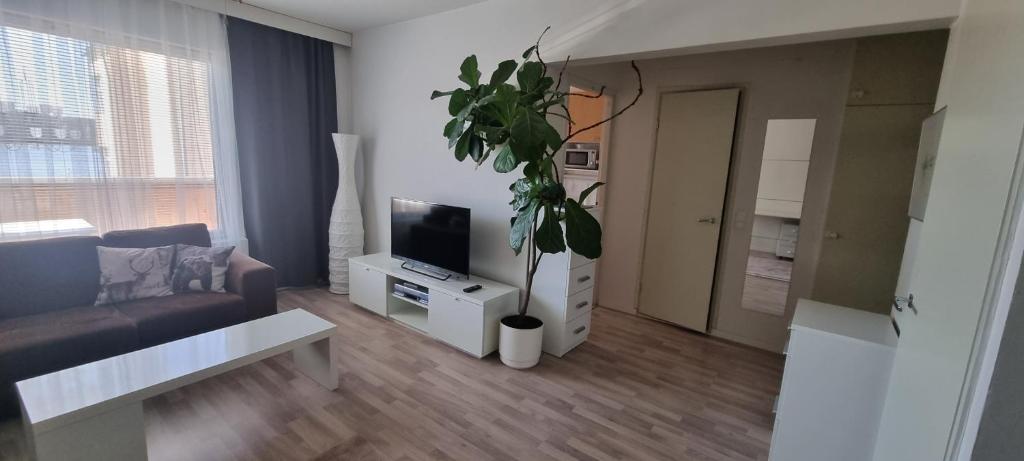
(467, 321)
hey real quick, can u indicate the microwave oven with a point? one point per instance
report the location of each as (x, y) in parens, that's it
(581, 156)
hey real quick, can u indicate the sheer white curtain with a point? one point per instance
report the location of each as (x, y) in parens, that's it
(115, 114)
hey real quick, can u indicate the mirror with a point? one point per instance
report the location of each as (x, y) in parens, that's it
(776, 223)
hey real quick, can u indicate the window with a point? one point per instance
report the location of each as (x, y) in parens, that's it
(117, 132)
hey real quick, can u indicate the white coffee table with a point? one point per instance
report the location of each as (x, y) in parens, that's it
(94, 411)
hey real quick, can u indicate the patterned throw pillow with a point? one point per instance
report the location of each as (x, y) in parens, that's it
(134, 273)
(200, 268)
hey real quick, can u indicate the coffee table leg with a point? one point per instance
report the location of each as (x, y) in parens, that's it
(316, 361)
(117, 434)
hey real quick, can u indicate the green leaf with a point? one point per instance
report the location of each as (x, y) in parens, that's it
(582, 231)
(530, 132)
(529, 51)
(470, 74)
(549, 237)
(531, 171)
(522, 193)
(587, 191)
(529, 74)
(506, 100)
(462, 145)
(552, 192)
(460, 100)
(505, 161)
(476, 147)
(493, 135)
(437, 94)
(504, 71)
(453, 130)
(522, 225)
(483, 158)
(526, 152)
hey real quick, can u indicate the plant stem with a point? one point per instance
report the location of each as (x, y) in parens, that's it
(532, 263)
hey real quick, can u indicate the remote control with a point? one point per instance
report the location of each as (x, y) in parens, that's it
(472, 288)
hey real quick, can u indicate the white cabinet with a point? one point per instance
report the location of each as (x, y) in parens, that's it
(576, 181)
(784, 166)
(563, 296)
(467, 321)
(783, 180)
(455, 321)
(369, 288)
(838, 362)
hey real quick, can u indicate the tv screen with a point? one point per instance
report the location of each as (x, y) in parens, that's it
(433, 235)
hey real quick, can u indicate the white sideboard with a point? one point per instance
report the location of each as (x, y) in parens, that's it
(467, 321)
(563, 296)
(838, 362)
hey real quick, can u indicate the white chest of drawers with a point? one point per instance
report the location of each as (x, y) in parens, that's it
(563, 296)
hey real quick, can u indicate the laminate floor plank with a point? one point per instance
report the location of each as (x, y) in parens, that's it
(636, 390)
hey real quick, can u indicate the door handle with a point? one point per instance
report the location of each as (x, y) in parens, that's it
(899, 303)
(831, 235)
(583, 279)
(707, 220)
(582, 304)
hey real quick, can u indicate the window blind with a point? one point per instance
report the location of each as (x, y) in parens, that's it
(98, 137)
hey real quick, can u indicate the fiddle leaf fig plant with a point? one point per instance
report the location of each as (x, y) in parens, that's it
(510, 120)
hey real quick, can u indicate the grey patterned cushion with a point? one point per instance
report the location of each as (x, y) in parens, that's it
(200, 268)
(134, 273)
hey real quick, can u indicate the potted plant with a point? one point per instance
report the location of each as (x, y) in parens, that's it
(511, 123)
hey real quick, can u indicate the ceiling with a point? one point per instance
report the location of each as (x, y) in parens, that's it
(354, 15)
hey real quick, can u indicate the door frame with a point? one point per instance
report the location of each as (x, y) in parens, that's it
(995, 307)
(572, 80)
(660, 91)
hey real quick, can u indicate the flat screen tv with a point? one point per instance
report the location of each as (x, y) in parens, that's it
(430, 237)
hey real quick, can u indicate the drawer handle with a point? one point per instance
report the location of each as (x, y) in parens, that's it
(582, 304)
(579, 330)
(583, 279)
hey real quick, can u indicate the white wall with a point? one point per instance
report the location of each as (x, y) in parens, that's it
(396, 67)
(781, 82)
(964, 239)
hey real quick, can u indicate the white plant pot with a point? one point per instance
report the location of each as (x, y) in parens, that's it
(520, 348)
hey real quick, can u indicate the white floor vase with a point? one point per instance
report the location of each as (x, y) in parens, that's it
(346, 229)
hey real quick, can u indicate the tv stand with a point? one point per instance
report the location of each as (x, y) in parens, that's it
(467, 321)
(429, 273)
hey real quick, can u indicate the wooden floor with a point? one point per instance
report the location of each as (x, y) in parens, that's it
(765, 295)
(637, 390)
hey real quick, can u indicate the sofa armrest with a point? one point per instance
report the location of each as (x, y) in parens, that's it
(255, 282)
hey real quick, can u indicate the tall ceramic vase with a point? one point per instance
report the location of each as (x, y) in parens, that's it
(346, 230)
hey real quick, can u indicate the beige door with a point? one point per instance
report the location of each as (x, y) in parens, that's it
(866, 225)
(691, 167)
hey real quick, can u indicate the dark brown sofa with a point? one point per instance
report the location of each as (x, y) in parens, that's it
(48, 321)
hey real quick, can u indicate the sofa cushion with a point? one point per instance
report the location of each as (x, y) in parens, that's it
(43, 343)
(47, 275)
(168, 318)
(185, 234)
(200, 268)
(134, 273)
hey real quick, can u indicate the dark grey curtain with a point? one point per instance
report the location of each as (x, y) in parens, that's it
(285, 112)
